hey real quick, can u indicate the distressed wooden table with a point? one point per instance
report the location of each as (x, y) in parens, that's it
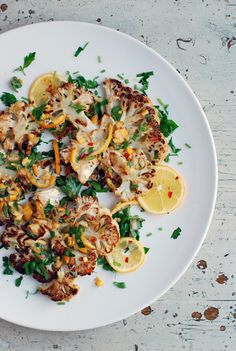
(197, 37)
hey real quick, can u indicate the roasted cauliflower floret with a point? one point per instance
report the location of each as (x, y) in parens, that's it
(73, 103)
(62, 290)
(17, 128)
(82, 153)
(99, 230)
(140, 119)
(129, 173)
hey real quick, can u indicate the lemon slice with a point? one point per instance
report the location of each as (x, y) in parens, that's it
(127, 256)
(122, 205)
(86, 242)
(106, 143)
(166, 193)
(43, 86)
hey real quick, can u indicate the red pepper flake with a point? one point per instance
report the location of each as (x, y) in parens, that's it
(90, 144)
(68, 170)
(82, 156)
(127, 155)
(93, 239)
(176, 177)
(126, 259)
(170, 193)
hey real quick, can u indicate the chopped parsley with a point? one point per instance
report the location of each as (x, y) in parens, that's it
(98, 187)
(116, 113)
(37, 112)
(144, 76)
(120, 285)
(167, 125)
(80, 81)
(77, 107)
(1, 158)
(27, 61)
(77, 232)
(101, 261)
(28, 293)
(129, 225)
(80, 49)
(18, 281)
(146, 249)
(188, 146)
(99, 59)
(6, 264)
(176, 233)
(97, 107)
(48, 208)
(120, 76)
(8, 99)
(16, 83)
(69, 185)
(174, 149)
(149, 234)
(88, 192)
(5, 210)
(38, 266)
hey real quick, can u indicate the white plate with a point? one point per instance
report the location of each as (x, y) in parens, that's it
(55, 44)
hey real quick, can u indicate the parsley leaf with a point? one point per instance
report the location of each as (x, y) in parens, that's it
(1, 158)
(127, 222)
(5, 210)
(77, 231)
(80, 49)
(48, 208)
(77, 107)
(146, 249)
(16, 83)
(80, 81)
(176, 233)
(101, 261)
(6, 264)
(174, 149)
(37, 112)
(8, 99)
(167, 125)
(69, 186)
(27, 61)
(18, 281)
(97, 107)
(116, 113)
(120, 285)
(144, 81)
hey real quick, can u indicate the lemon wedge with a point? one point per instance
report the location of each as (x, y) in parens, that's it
(43, 86)
(127, 256)
(166, 193)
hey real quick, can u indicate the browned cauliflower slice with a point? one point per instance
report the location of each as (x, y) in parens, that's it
(60, 290)
(99, 230)
(129, 174)
(68, 100)
(14, 236)
(18, 128)
(82, 153)
(139, 117)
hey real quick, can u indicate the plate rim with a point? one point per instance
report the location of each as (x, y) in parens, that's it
(215, 180)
